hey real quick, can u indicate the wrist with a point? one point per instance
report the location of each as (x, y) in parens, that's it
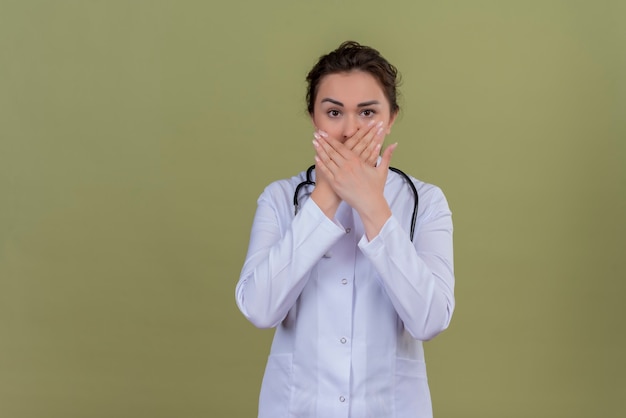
(374, 218)
(326, 199)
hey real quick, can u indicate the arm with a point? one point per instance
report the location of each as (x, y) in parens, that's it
(278, 262)
(418, 279)
(280, 257)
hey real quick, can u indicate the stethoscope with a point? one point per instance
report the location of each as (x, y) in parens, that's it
(309, 182)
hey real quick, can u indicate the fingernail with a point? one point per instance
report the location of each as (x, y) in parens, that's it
(379, 124)
(317, 159)
(371, 123)
(315, 143)
(324, 134)
(380, 131)
(316, 135)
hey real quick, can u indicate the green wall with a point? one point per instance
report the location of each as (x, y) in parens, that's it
(135, 137)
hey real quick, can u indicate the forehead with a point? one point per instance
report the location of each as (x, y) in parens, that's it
(349, 88)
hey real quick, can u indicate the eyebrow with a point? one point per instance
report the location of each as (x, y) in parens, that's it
(338, 103)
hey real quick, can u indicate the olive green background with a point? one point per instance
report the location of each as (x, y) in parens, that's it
(135, 137)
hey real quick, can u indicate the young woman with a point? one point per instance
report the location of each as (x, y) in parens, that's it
(344, 262)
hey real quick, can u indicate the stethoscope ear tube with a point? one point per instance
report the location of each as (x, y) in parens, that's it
(307, 182)
(415, 198)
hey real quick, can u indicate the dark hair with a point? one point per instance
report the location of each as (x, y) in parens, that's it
(352, 56)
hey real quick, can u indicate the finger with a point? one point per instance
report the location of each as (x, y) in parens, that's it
(330, 141)
(322, 170)
(373, 154)
(335, 150)
(322, 133)
(320, 166)
(386, 158)
(351, 142)
(370, 155)
(356, 139)
(372, 144)
(361, 148)
(326, 153)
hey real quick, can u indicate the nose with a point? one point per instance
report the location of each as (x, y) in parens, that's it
(351, 125)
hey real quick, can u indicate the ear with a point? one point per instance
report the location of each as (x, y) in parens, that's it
(391, 121)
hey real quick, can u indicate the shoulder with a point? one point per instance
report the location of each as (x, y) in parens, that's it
(431, 197)
(399, 178)
(285, 186)
(279, 194)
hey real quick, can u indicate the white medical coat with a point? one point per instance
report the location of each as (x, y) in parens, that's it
(350, 314)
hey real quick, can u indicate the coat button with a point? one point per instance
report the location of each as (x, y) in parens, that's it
(348, 230)
(342, 399)
(343, 340)
(344, 281)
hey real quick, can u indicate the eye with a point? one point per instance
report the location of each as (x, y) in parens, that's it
(333, 113)
(368, 113)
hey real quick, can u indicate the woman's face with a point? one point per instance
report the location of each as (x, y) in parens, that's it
(346, 102)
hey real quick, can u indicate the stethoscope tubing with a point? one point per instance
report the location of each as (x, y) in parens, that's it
(310, 182)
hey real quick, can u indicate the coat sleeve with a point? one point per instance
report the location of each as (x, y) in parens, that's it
(417, 277)
(280, 257)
